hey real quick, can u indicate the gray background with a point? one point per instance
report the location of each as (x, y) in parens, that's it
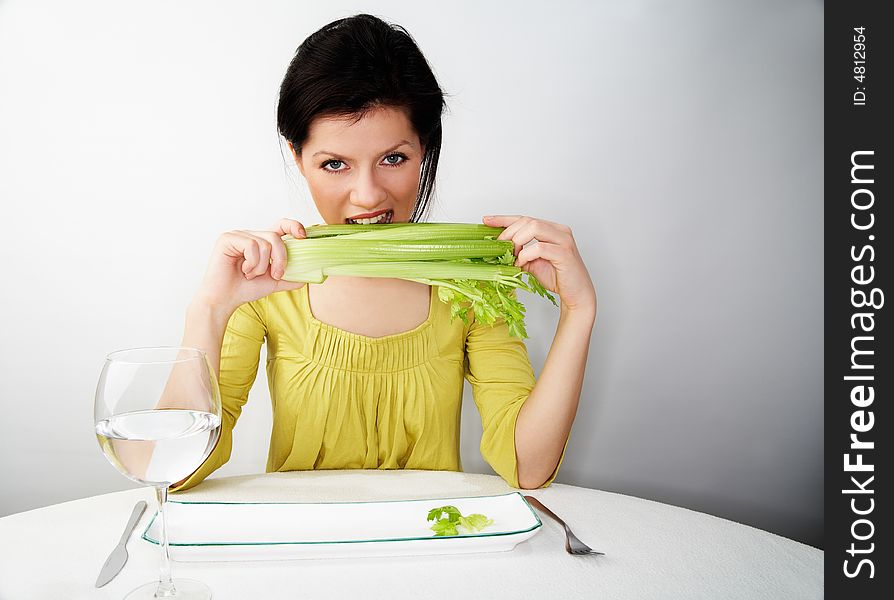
(682, 141)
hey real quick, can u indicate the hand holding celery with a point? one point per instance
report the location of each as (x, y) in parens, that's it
(471, 268)
(554, 259)
(246, 266)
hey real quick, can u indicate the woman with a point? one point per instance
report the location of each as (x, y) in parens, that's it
(367, 372)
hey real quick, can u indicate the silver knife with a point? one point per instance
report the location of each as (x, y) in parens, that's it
(115, 561)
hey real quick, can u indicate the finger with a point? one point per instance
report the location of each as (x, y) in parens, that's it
(531, 231)
(500, 220)
(508, 220)
(291, 227)
(264, 251)
(542, 231)
(554, 253)
(248, 247)
(278, 253)
(511, 233)
(504, 221)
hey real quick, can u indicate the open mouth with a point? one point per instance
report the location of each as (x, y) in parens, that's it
(383, 217)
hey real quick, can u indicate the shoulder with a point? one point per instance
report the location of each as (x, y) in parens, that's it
(279, 306)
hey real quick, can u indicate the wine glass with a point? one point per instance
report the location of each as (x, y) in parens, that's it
(157, 417)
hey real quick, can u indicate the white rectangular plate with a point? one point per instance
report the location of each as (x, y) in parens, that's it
(220, 531)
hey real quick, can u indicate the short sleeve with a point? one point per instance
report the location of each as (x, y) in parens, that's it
(239, 357)
(500, 373)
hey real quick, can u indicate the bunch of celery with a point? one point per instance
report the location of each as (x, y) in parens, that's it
(471, 268)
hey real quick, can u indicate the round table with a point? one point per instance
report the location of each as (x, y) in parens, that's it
(652, 550)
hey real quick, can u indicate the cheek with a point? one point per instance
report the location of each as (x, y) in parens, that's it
(324, 186)
(327, 193)
(405, 183)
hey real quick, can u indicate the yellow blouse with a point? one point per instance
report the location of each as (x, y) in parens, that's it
(347, 401)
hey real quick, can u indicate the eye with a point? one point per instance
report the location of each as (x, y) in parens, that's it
(333, 165)
(393, 160)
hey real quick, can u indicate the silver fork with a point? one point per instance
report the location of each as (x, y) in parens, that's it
(572, 544)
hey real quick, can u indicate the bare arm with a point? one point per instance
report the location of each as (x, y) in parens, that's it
(204, 329)
(548, 251)
(244, 266)
(545, 420)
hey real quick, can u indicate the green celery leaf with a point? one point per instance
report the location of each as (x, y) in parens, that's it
(448, 518)
(538, 288)
(475, 522)
(444, 527)
(451, 512)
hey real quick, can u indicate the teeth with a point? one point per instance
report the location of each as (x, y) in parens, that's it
(386, 217)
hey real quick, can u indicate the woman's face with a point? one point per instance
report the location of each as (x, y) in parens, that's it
(366, 169)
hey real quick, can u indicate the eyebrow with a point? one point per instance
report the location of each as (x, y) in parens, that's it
(391, 149)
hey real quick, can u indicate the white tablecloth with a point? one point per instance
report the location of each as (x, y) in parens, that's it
(652, 550)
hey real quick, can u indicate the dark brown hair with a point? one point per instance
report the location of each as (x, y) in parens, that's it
(357, 64)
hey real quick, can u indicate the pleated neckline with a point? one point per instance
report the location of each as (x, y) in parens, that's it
(337, 348)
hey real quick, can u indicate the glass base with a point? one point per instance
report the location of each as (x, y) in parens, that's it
(187, 589)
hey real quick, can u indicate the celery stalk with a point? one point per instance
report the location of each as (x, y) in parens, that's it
(471, 268)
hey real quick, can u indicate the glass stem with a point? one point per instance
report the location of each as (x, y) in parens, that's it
(165, 583)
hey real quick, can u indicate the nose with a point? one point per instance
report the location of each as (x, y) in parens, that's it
(368, 192)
